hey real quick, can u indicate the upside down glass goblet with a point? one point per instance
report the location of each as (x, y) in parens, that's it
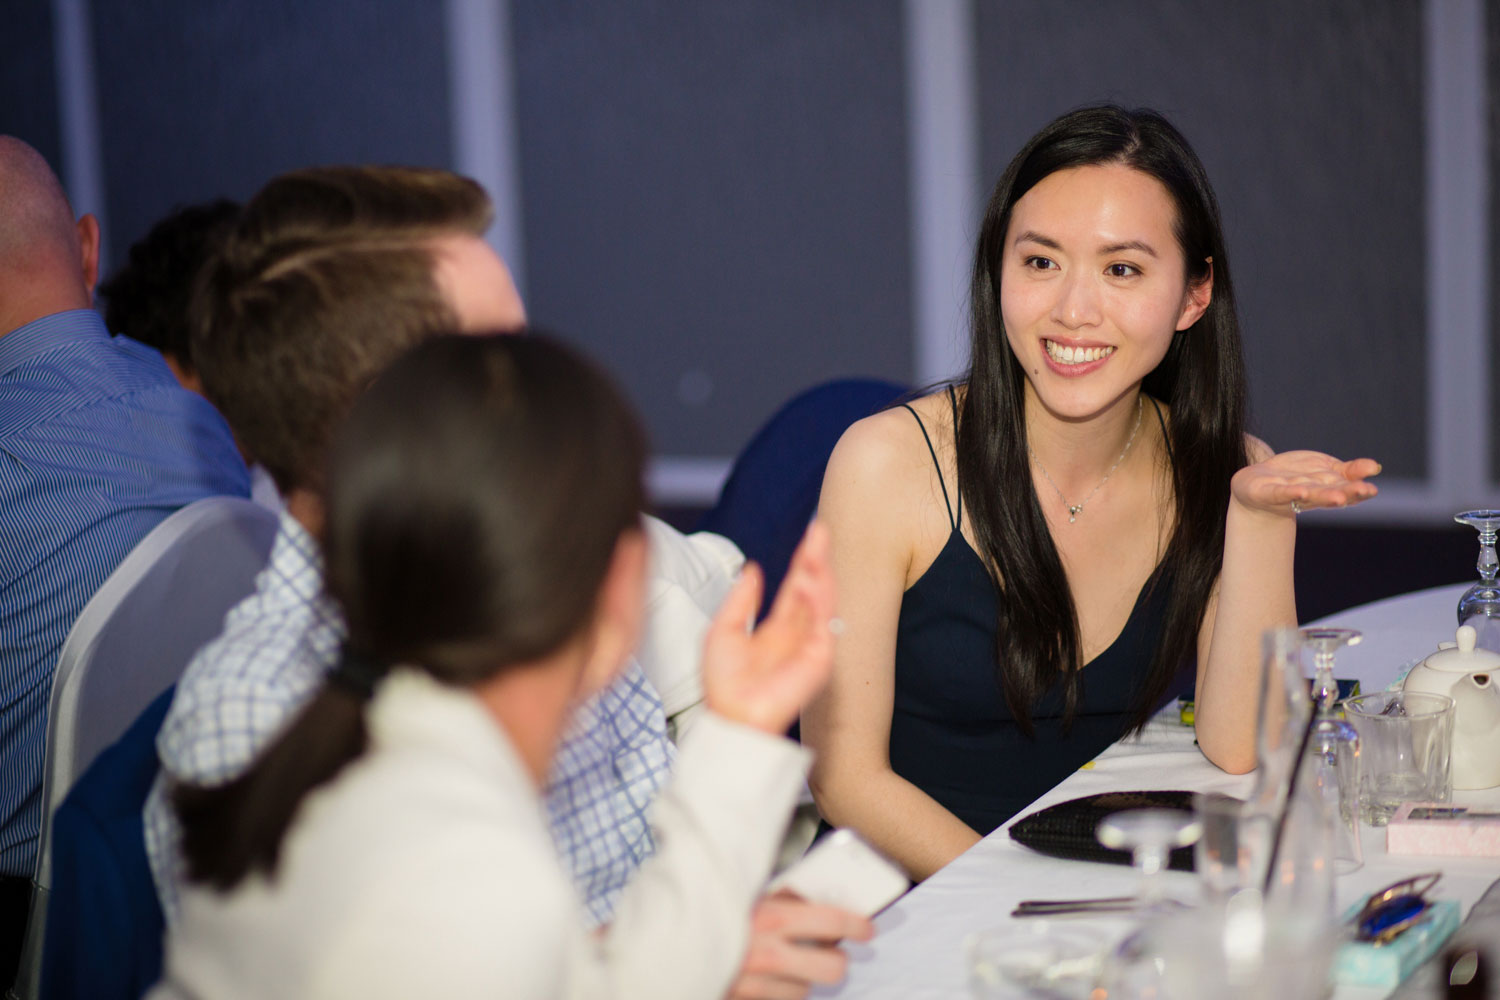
(1149, 835)
(1335, 744)
(1132, 970)
(1480, 605)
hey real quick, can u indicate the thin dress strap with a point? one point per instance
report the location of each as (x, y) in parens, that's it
(1166, 438)
(958, 493)
(933, 451)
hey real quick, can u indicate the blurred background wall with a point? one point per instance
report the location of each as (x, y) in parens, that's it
(730, 201)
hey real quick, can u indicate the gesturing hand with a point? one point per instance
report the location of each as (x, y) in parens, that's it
(763, 678)
(1307, 479)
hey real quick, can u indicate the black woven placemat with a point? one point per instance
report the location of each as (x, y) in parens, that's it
(1066, 830)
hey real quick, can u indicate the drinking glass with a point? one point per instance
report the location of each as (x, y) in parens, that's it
(1035, 958)
(1335, 745)
(1238, 951)
(1287, 829)
(1222, 856)
(1149, 835)
(1281, 719)
(1480, 604)
(1132, 969)
(1406, 742)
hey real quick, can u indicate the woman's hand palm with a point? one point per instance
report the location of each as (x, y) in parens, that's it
(1308, 478)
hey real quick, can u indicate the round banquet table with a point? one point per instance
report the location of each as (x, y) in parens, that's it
(918, 951)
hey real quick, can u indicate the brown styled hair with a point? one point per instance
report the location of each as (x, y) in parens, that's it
(327, 276)
(475, 498)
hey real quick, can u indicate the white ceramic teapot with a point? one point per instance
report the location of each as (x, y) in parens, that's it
(1471, 677)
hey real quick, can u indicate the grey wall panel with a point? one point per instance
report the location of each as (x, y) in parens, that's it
(1492, 63)
(202, 99)
(1308, 117)
(28, 81)
(715, 199)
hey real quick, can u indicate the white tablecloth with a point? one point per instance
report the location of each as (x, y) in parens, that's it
(918, 951)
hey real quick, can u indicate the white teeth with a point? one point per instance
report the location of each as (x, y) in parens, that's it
(1068, 355)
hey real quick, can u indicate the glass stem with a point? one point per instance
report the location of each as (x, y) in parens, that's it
(1488, 564)
(1327, 689)
(1151, 860)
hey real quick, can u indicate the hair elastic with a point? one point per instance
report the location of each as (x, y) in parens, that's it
(357, 673)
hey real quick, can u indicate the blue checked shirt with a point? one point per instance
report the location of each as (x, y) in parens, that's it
(277, 645)
(98, 444)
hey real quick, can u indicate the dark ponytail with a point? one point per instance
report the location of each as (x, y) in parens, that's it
(232, 830)
(475, 498)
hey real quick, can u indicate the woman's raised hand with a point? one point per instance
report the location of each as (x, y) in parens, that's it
(762, 678)
(1302, 480)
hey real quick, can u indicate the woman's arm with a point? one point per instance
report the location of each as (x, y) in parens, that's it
(873, 503)
(1254, 591)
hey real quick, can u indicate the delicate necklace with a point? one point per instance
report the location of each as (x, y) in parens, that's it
(1074, 509)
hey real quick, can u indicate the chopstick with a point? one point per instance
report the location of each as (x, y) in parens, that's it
(1059, 907)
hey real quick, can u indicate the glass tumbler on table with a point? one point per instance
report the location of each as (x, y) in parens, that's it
(1237, 951)
(1041, 959)
(1406, 742)
(1291, 825)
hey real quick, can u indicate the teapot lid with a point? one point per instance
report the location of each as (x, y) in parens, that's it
(1463, 657)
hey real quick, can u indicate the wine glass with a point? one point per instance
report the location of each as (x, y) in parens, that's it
(1482, 601)
(1334, 745)
(1149, 835)
(1132, 969)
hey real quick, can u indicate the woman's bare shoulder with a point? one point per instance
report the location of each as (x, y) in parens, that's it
(886, 447)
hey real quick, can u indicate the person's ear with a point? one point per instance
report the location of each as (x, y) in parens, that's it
(88, 243)
(1199, 294)
(620, 614)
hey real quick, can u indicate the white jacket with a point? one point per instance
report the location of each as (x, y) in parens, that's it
(426, 870)
(689, 578)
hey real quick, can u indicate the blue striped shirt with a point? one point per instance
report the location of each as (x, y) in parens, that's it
(98, 443)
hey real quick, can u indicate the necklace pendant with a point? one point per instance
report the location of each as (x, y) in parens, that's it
(1073, 512)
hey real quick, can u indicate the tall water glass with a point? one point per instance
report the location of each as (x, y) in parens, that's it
(1283, 709)
(1290, 823)
(1406, 741)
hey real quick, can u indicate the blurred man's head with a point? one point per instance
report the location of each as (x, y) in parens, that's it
(49, 261)
(147, 298)
(329, 275)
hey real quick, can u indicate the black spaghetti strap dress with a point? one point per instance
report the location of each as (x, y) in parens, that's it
(951, 733)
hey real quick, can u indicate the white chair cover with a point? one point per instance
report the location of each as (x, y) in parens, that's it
(132, 640)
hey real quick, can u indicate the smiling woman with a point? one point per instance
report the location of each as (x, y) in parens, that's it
(1083, 288)
(1030, 562)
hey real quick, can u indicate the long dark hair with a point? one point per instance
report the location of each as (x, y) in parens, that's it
(475, 497)
(1202, 379)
